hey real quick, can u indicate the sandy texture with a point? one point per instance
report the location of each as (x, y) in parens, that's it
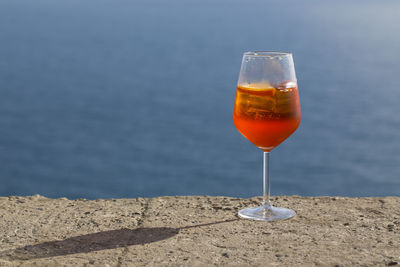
(198, 231)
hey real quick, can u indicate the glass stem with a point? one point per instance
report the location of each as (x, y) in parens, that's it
(266, 180)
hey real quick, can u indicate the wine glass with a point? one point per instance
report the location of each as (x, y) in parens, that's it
(266, 112)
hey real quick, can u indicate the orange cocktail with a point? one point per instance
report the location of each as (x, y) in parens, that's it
(266, 112)
(266, 115)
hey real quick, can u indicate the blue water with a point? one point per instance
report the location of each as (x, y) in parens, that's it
(134, 98)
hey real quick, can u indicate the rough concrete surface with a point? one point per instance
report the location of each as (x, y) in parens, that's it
(198, 231)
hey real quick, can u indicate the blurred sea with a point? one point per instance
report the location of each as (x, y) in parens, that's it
(130, 98)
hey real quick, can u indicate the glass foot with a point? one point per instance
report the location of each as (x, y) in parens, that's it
(266, 213)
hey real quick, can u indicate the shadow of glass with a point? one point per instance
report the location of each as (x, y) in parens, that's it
(91, 242)
(96, 241)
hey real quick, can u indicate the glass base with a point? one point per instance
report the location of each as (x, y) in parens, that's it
(266, 213)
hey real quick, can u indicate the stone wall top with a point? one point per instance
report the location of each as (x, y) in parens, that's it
(198, 231)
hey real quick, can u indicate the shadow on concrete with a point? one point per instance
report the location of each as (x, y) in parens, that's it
(96, 241)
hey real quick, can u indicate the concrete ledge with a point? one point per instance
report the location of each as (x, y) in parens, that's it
(198, 231)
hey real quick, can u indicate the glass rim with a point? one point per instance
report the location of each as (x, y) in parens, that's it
(266, 53)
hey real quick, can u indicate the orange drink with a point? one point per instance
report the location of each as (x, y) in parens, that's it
(266, 115)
